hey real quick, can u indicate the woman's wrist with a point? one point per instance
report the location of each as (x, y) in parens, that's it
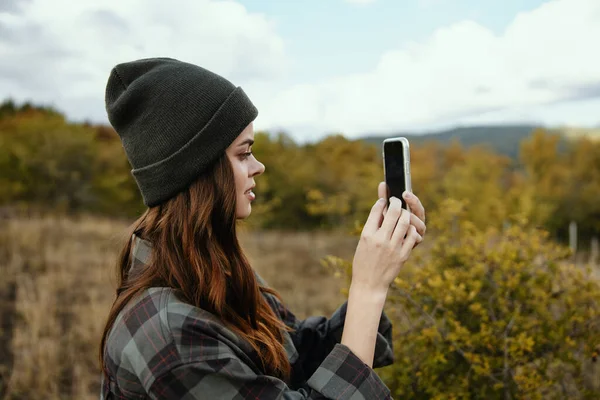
(367, 296)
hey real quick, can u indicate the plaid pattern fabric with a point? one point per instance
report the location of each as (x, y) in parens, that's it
(163, 348)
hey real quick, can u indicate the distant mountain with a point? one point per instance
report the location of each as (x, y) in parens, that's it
(503, 139)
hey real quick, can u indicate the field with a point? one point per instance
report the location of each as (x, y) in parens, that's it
(58, 284)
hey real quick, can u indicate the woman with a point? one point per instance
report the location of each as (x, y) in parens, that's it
(191, 319)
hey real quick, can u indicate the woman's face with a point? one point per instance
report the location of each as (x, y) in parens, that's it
(245, 168)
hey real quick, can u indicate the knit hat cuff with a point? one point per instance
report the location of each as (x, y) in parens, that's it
(163, 179)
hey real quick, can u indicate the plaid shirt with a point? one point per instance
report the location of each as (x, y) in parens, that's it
(163, 348)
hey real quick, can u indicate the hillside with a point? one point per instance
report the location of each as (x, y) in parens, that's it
(504, 139)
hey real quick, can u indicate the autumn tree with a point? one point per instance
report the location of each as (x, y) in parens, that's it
(281, 191)
(347, 177)
(114, 189)
(45, 161)
(478, 180)
(546, 176)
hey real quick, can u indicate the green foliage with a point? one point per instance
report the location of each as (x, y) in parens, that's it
(115, 191)
(283, 188)
(492, 314)
(327, 185)
(486, 198)
(45, 161)
(51, 163)
(347, 174)
(9, 108)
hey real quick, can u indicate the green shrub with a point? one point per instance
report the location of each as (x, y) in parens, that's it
(492, 314)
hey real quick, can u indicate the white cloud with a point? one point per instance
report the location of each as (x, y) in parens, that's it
(61, 52)
(544, 56)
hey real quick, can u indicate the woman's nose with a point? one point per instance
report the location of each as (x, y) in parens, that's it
(260, 168)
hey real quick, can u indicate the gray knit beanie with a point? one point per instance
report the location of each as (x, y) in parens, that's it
(174, 120)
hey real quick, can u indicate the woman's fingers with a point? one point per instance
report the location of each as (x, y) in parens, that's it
(402, 227)
(417, 211)
(391, 218)
(382, 192)
(412, 239)
(415, 205)
(417, 223)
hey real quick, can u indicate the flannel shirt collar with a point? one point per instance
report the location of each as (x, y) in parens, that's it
(142, 250)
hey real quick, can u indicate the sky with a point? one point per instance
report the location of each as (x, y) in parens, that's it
(316, 67)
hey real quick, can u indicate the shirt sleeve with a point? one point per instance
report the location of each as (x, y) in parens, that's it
(341, 376)
(315, 337)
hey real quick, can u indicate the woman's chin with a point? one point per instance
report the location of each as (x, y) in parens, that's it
(243, 214)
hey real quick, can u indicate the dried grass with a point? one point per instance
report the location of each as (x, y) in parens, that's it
(60, 271)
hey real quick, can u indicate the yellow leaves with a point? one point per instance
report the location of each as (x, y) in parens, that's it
(435, 282)
(339, 266)
(332, 205)
(528, 381)
(577, 319)
(472, 294)
(512, 282)
(458, 333)
(449, 275)
(430, 333)
(440, 358)
(476, 308)
(476, 180)
(520, 345)
(482, 369)
(402, 284)
(478, 363)
(448, 299)
(314, 195)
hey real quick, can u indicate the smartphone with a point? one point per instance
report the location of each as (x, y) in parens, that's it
(396, 167)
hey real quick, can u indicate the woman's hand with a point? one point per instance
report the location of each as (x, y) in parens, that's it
(417, 217)
(384, 246)
(386, 242)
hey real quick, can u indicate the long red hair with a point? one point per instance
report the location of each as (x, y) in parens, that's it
(195, 250)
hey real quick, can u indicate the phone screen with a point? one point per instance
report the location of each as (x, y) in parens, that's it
(395, 165)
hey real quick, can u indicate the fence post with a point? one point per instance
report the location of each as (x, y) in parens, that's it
(573, 237)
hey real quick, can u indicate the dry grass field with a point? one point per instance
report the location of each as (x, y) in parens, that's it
(58, 283)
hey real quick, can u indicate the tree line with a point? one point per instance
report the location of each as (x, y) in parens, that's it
(49, 163)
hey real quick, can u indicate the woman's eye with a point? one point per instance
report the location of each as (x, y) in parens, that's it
(246, 155)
